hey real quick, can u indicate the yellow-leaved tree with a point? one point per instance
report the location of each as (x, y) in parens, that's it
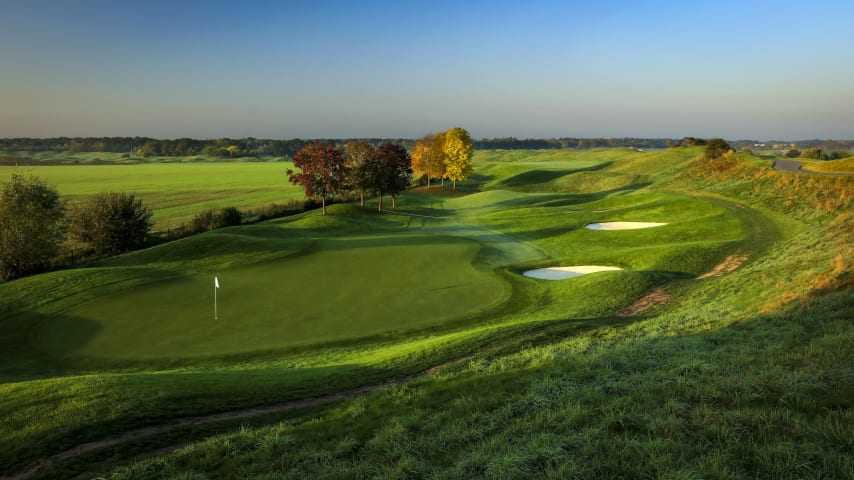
(458, 149)
(428, 158)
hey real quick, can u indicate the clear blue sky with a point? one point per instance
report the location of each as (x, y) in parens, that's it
(278, 69)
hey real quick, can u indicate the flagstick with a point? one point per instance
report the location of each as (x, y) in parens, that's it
(215, 289)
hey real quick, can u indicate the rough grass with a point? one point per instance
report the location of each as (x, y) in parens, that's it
(844, 165)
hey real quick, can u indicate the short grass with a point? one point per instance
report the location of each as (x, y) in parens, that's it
(717, 383)
(104, 158)
(175, 192)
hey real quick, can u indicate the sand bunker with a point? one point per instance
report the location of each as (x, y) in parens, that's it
(622, 225)
(561, 273)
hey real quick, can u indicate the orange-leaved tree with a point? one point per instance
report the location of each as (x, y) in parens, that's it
(428, 158)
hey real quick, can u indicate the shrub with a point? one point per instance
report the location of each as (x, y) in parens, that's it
(213, 219)
(814, 154)
(112, 223)
(32, 226)
(716, 148)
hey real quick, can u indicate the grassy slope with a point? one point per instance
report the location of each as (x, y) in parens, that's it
(747, 375)
(482, 391)
(174, 191)
(844, 165)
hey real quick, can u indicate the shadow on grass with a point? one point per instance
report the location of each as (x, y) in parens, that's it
(531, 178)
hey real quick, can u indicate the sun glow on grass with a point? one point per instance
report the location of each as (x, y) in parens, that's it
(551, 382)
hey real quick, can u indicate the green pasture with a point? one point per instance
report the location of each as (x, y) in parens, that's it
(553, 382)
(104, 158)
(175, 192)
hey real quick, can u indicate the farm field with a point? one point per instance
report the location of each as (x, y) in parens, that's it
(745, 347)
(174, 191)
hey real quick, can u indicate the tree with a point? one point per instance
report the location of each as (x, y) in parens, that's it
(793, 153)
(32, 226)
(112, 222)
(458, 149)
(231, 149)
(389, 172)
(428, 158)
(715, 148)
(359, 154)
(399, 169)
(324, 172)
(814, 153)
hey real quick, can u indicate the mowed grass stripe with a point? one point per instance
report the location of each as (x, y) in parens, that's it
(174, 191)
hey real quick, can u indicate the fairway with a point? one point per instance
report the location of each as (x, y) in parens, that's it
(339, 289)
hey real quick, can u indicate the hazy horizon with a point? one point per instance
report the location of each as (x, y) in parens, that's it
(764, 71)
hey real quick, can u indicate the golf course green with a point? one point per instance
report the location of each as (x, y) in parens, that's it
(338, 289)
(664, 344)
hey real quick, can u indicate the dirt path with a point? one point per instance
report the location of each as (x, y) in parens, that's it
(112, 440)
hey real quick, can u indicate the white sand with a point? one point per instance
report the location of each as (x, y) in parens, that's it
(622, 225)
(561, 273)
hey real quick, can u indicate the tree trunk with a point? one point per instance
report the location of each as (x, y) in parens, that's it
(380, 203)
(393, 201)
(323, 202)
(428, 182)
(455, 184)
(443, 182)
(362, 195)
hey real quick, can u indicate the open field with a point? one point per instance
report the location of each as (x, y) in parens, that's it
(54, 157)
(174, 191)
(744, 373)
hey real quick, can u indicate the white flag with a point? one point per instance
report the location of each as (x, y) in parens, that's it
(216, 282)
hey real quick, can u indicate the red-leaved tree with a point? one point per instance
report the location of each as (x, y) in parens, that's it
(323, 172)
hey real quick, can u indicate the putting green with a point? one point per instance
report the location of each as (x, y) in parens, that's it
(340, 289)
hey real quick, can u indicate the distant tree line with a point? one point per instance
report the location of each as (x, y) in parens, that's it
(827, 145)
(150, 147)
(816, 153)
(512, 143)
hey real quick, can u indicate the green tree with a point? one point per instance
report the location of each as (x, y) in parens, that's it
(389, 171)
(458, 149)
(814, 153)
(716, 148)
(112, 222)
(32, 226)
(793, 153)
(359, 154)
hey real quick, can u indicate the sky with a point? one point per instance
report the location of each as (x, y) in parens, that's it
(338, 69)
